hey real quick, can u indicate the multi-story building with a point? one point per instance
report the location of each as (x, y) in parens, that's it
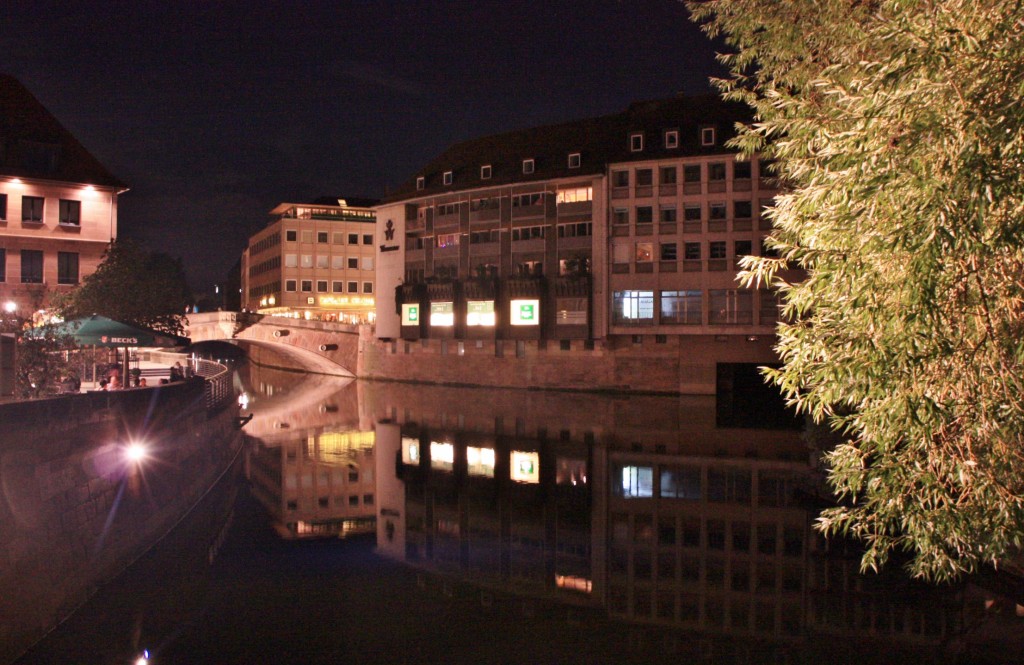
(313, 260)
(616, 231)
(58, 204)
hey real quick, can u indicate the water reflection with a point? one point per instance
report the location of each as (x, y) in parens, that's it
(698, 538)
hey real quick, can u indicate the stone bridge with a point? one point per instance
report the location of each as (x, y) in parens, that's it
(317, 347)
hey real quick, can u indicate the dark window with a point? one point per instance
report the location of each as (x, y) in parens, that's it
(668, 175)
(321, 236)
(290, 285)
(31, 266)
(742, 209)
(353, 262)
(70, 212)
(67, 267)
(743, 248)
(741, 171)
(620, 178)
(3, 206)
(717, 249)
(3, 264)
(368, 239)
(367, 287)
(307, 285)
(644, 215)
(668, 251)
(353, 238)
(716, 171)
(337, 287)
(353, 287)
(291, 236)
(321, 286)
(692, 251)
(31, 208)
(644, 177)
(691, 173)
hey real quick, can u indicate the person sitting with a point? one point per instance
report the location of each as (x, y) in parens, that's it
(115, 383)
(176, 373)
(142, 382)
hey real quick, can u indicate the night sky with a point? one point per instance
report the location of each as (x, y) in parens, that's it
(214, 112)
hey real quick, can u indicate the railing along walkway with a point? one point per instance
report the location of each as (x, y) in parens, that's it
(216, 377)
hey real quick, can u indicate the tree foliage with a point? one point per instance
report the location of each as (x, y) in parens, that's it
(899, 134)
(134, 286)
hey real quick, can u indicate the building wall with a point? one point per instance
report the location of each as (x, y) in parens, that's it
(88, 239)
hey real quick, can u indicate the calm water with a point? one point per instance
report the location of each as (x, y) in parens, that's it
(392, 523)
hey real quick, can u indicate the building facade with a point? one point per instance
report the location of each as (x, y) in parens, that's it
(315, 261)
(58, 204)
(600, 234)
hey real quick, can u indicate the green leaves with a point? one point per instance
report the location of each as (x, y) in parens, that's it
(898, 130)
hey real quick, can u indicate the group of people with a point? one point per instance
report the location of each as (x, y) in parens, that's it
(113, 378)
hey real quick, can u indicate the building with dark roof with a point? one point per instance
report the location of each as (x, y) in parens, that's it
(58, 204)
(313, 260)
(610, 236)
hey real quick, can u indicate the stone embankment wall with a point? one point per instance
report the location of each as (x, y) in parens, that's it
(74, 511)
(676, 366)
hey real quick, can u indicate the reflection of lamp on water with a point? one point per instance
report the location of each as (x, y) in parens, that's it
(271, 301)
(143, 659)
(243, 400)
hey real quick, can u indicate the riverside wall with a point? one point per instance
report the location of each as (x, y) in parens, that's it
(674, 365)
(74, 512)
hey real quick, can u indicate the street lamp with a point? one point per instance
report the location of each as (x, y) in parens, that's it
(10, 307)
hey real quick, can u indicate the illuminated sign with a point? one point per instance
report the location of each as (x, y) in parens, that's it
(480, 313)
(525, 312)
(120, 340)
(480, 461)
(442, 314)
(339, 301)
(410, 315)
(525, 466)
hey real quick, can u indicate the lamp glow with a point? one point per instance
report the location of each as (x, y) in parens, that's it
(135, 452)
(10, 306)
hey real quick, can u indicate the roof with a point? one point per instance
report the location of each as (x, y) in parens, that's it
(599, 141)
(33, 144)
(326, 201)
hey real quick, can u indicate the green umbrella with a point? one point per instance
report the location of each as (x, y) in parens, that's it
(100, 331)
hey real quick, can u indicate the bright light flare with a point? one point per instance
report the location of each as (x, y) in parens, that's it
(135, 453)
(143, 659)
(10, 306)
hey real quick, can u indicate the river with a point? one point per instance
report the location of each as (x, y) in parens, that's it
(372, 522)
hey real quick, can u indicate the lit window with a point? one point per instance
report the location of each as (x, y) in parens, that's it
(322, 261)
(291, 261)
(447, 240)
(575, 195)
(636, 142)
(635, 482)
(633, 307)
(306, 261)
(442, 314)
(528, 166)
(485, 172)
(367, 263)
(337, 262)
(574, 160)
(672, 139)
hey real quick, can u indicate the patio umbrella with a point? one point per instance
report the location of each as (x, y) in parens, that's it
(100, 331)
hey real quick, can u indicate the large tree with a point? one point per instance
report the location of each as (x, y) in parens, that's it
(135, 286)
(898, 129)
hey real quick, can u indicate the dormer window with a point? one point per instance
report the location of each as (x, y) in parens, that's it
(485, 172)
(636, 142)
(672, 139)
(574, 160)
(419, 182)
(707, 136)
(528, 166)
(447, 177)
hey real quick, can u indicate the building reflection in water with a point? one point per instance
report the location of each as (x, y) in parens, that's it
(310, 462)
(645, 508)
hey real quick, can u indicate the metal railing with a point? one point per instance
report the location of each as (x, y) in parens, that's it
(216, 377)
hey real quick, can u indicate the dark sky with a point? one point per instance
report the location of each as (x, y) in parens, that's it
(214, 112)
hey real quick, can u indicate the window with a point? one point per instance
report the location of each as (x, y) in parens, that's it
(337, 262)
(353, 287)
(447, 177)
(691, 173)
(477, 237)
(528, 200)
(528, 166)
(307, 285)
(574, 160)
(644, 252)
(633, 307)
(31, 266)
(367, 238)
(367, 263)
(291, 260)
(338, 238)
(668, 251)
(644, 177)
(716, 211)
(716, 171)
(620, 217)
(291, 235)
(691, 251)
(668, 214)
(447, 240)
(70, 212)
(620, 178)
(729, 486)
(353, 238)
(67, 267)
(681, 483)
(707, 136)
(32, 209)
(681, 306)
(742, 209)
(672, 139)
(290, 285)
(741, 171)
(321, 286)
(529, 232)
(691, 212)
(485, 172)
(419, 182)
(636, 142)
(742, 248)
(353, 262)
(574, 195)
(491, 203)
(323, 261)
(307, 236)
(322, 236)
(305, 260)
(644, 215)
(3, 265)
(337, 286)
(575, 230)
(3, 207)
(730, 306)
(634, 482)
(667, 175)
(367, 287)
(716, 249)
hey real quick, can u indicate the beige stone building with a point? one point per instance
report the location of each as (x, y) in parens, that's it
(58, 204)
(313, 260)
